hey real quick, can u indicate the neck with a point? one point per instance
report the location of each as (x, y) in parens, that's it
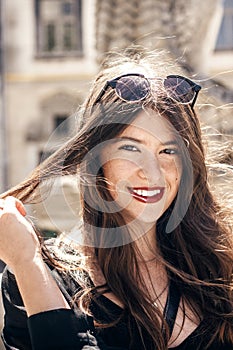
(147, 246)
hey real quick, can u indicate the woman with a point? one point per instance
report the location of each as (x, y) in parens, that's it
(152, 266)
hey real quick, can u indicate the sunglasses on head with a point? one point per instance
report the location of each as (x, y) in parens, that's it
(135, 87)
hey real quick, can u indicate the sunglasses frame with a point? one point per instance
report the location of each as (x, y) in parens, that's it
(112, 83)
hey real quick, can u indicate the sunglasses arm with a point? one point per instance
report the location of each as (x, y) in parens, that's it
(197, 89)
(101, 94)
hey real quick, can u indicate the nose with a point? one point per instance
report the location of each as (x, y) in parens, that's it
(150, 170)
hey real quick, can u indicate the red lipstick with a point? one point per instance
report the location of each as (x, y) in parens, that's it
(147, 194)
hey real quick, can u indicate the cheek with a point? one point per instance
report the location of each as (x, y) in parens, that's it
(172, 170)
(119, 169)
(175, 182)
(116, 173)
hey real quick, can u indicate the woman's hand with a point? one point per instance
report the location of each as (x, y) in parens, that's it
(20, 249)
(18, 241)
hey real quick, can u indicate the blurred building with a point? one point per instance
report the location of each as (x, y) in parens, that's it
(221, 61)
(49, 61)
(51, 52)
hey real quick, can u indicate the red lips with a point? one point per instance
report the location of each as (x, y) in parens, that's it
(147, 194)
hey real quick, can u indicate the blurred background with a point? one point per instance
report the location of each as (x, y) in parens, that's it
(50, 51)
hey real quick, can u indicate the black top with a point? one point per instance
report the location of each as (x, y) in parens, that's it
(65, 329)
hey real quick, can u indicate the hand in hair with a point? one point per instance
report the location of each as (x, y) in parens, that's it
(20, 249)
(18, 241)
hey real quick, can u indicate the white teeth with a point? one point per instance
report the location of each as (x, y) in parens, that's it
(145, 193)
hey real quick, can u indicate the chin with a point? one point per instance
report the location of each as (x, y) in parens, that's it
(143, 217)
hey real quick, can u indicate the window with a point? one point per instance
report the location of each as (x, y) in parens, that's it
(61, 127)
(225, 36)
(59, 27)
(61, 124)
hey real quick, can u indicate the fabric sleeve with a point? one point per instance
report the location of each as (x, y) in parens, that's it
(59, 329)
(21, 332)
(15, 334)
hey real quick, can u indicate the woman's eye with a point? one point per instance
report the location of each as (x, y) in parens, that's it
(170, 151)
(130, 148)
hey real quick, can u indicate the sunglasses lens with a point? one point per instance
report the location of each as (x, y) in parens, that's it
(179, 89)
(132, 88)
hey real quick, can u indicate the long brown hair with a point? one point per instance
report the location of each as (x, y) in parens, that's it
(197, 253)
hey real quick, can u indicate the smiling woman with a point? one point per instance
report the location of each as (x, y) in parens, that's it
(149, 265)
(143, 168)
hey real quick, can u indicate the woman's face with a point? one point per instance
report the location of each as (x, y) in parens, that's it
(142, 167)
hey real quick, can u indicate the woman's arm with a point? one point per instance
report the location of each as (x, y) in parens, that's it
(41, 296)
(38, 289)
(58, 328)
(51, 322)
(54, 329)
(20, 249)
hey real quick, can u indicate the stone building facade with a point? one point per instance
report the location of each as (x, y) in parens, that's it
(51, 51)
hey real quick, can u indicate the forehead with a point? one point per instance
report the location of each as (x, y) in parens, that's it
(150, 124)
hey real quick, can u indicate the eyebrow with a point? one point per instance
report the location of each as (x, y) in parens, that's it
(169, 142)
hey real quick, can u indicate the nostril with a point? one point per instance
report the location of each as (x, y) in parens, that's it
(152, 173)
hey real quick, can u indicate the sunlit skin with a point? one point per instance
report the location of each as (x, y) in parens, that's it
(143, 168)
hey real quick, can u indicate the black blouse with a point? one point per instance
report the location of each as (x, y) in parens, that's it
(70, 329)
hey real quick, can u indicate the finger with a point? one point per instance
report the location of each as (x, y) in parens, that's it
(11, 204)
(20, 207)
